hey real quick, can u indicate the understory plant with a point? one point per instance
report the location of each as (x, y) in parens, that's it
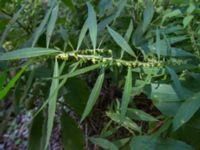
(113, 74)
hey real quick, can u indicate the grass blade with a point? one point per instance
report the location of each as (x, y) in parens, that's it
(12, 82)
(158, 43)
(126, 94)
(27, 53)
(51, 24)
(92, 24)
(52, 103)
(121, 41)
(94, 95)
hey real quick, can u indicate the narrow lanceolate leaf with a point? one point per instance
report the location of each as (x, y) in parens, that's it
(41, 27)
(94, 95)
(158, 43)
(82, 34)
(92, 24)
(52, 103)
(129, 31)
(51, 24)
(148, 15)
(183, 93)
(103, 143)
(12, 82)
(65, 78)
(127, 93)
(27, 53)
(121, 41)
(186, 111)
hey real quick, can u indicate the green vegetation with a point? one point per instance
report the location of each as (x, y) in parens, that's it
(112, 74)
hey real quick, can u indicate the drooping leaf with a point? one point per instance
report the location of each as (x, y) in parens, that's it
(153, 143)
(186, 111)
(52, 103)
(94, 95)
(92, 25)
(72, 136)
(103, 143)
(51, 24)
(127, 93)
(27, 53)
(121, 41)
(11, 83)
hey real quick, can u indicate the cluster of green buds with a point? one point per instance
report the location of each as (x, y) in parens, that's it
(89, 56)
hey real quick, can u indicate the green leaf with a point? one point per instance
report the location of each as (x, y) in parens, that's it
(36, 132)
(165, 98)
(12, 82)
(187, 20)
(9, 26)
(74, 100)
(103, 143)
(129, 31)
(51, 24)
(52, 103)
(41, 27)
(126, 122)
(140, 115)
(152, 143)
(183, 93)
(92, 25)
(2, 79)
(94, 95)
(171, 14)
(27, 53)
(126, 94)
(121, 41)
(148, 14)
(72, 136)
(186, 111)
(158, 44)
(82, 34)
